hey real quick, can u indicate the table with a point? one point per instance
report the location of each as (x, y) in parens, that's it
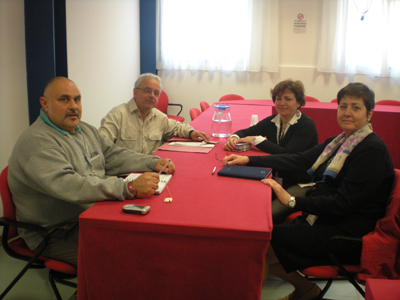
(377, 289)
(208, 243)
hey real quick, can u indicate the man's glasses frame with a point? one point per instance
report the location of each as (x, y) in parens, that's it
(149, 91)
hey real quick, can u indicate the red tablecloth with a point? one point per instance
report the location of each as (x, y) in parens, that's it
(379, 289)
(208, 243)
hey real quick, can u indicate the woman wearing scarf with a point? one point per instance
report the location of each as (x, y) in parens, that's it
(352, 178)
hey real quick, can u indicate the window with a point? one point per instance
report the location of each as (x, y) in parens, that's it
(360, 37)
(222, 35)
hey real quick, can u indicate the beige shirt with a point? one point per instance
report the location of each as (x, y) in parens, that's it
(125, 127)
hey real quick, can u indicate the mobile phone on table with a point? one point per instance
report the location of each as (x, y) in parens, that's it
(136, 209)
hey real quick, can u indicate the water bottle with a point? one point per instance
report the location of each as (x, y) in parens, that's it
(221, 124)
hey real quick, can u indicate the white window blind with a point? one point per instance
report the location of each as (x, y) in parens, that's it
(227, 35)
(351, 45)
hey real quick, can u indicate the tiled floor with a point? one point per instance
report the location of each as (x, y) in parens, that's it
(34, 285)
(275, 288)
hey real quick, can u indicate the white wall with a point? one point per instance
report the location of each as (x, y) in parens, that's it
(14, 117)
(103, 53)
(298, 58)
(103, 60)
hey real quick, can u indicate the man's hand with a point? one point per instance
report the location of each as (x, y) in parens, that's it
(170, 167)
(231, 143)
(197, 135)
(234, 159)
(146, 184)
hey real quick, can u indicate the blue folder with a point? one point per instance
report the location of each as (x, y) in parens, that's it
(245, 172)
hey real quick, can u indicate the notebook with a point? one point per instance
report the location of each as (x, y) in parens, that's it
(244, 172)
(164, 179)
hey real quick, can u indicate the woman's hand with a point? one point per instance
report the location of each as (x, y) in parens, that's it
(234, 159)
(230, 143)
(247, 139)
(279, 191)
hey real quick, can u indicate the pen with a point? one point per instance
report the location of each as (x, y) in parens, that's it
(213, 171)
(162, 169)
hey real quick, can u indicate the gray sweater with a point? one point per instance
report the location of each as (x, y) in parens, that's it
(52, 181)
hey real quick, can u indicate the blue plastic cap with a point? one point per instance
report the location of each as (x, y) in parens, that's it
(222, 106)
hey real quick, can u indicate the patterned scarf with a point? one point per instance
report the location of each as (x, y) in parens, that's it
(346, 146)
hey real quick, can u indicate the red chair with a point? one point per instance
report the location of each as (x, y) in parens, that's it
(379, 258)
(231, 97)
(194, 113)
(311, 99)
(15, 246)
(162, 105)
(204, 105)
(334, 100)
(388, 102)
(293, 216)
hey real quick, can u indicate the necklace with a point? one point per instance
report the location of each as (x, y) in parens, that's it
(282, 132)
(368, 6)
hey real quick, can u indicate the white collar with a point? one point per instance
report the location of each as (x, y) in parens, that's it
(294, 120)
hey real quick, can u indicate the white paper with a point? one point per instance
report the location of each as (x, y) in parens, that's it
(164, 179)
(192, 144)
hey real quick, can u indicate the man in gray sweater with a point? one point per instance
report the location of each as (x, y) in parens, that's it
(58, 169)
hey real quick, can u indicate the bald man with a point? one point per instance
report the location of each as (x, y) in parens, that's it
(58, 169)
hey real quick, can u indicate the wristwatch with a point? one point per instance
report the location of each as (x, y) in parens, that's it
(131, 188)
(292, 202)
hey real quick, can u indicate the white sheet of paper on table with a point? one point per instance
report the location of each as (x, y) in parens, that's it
(192, 144)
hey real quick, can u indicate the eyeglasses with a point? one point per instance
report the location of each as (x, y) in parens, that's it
(219, 158)
(148, 91)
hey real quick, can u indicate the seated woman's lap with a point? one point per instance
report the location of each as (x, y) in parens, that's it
(299, 245)
(279, 211)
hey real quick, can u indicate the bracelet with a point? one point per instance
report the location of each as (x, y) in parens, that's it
(132, 189)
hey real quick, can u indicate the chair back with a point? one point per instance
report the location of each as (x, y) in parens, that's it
(162, 104)
(231, 97)
(310, 99)
(16, 247)
(388, 102)
(8, 203)
(194, 113)
(334, 100)
(380, 256)
(204, 105)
